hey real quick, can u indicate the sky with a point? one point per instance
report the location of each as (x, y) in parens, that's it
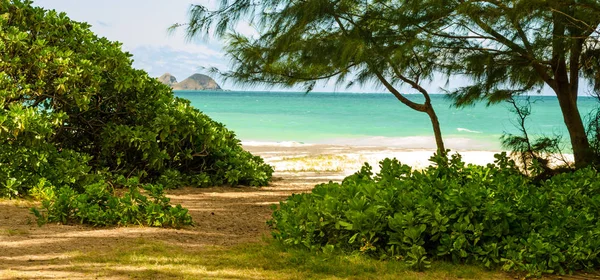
(141, 26)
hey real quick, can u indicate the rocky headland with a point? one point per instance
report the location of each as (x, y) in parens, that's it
(193, 82)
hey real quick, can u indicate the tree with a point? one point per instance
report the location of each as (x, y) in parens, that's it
(514, 47)
(507, 47)
(302, 42)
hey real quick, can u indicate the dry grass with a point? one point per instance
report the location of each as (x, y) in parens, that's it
(146, 259)
(13, 232)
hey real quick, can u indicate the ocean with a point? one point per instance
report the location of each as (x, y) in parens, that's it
(378, 119)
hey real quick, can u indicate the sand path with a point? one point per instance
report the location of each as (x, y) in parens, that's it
(224, 216)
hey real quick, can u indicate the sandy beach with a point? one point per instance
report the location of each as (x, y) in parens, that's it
(343, 160)
(293, 158)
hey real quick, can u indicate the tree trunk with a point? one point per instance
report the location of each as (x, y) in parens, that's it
(425, 108)
(579, 141)
(437, 131)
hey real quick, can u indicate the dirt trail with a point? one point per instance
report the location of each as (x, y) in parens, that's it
(223, 216)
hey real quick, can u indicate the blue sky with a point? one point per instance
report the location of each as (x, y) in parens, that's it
(142, 28)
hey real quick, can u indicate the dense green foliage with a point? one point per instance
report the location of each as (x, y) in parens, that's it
(75, 114)
(98, 206)
(491, 215)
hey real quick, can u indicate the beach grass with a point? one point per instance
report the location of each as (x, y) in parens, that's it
(263, 260)
(13, 232)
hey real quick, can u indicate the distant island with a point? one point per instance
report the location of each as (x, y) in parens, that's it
(193, 82)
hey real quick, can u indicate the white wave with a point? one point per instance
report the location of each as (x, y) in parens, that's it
(468, 130)
(409, 142)
(279, 144)
(414, 142)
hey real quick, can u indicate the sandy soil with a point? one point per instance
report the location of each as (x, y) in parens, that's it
(224, 216)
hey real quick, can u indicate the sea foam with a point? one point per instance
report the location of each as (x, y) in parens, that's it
(468, 130)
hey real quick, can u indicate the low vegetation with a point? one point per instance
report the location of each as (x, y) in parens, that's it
(489, 215)
(98, 206)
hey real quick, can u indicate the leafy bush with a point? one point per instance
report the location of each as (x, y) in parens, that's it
(74, 114)
(97, 205)
(491, 215)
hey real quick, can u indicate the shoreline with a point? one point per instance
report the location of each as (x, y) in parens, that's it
(456, 143)
(345, 160)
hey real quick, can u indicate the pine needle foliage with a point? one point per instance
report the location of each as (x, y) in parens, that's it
(513, 47)
(538, 156)
(348, 42)
(507, 48)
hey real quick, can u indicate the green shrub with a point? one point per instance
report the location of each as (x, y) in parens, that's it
(491, 215)
(97, 205)
(74, 114)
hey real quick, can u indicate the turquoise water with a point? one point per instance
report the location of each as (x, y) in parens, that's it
(370, 119)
